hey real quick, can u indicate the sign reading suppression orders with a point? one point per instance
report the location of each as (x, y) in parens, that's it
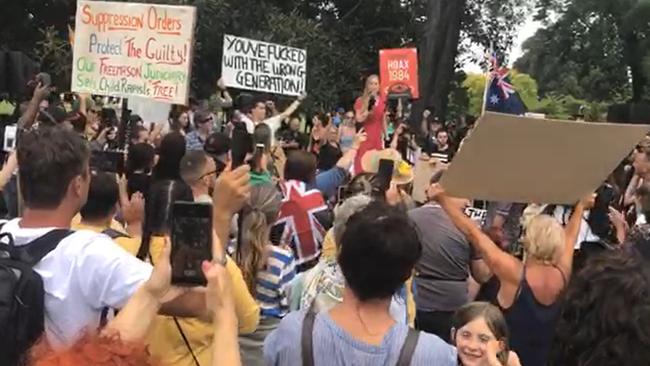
(127, 49)
(264, 67)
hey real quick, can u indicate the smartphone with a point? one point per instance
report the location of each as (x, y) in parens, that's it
(108, 161)
(256, 160)
(383, 177)
(340, 194)
(242, 143)
(10, 138)
(191, 242)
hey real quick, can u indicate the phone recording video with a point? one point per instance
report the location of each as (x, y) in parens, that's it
(9, 144)
(256, 160)
(191, 242)
(383, 177)
(107, 161)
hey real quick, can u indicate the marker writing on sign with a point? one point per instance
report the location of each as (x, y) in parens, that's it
(265, 50)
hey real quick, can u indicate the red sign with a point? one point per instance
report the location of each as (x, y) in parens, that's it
(398, 71)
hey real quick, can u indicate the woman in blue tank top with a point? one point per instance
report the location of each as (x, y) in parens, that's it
(529, 291)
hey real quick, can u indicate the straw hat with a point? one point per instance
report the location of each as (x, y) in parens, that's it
(402, 171)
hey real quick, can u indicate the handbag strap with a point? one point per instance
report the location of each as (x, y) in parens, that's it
(406, 354)
(187, 342)
(307, 337)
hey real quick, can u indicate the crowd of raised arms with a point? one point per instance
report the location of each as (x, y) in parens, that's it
(315, 259)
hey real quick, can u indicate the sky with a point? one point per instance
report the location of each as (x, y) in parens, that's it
(526, 31)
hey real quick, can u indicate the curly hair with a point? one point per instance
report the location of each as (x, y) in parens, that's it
(606, 316)
(95, 350)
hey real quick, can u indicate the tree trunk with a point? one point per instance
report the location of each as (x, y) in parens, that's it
(634, 56)
(438, 47)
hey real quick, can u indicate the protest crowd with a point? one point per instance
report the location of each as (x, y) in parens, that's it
(242, 230)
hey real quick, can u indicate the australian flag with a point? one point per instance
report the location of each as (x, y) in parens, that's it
(501, 95)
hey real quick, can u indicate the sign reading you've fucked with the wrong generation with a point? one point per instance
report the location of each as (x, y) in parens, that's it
(263, 67)
(128, 49)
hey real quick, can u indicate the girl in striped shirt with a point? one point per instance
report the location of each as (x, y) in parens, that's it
(267, 269)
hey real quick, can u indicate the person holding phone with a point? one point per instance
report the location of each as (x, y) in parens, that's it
(122, 340)
(188, 341)
(369, 112)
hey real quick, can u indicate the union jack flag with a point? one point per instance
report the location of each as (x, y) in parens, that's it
(304, 215)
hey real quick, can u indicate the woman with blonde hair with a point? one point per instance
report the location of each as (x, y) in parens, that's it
(529, 290)
(267, 269)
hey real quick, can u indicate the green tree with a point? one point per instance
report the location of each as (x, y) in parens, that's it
(589, 49)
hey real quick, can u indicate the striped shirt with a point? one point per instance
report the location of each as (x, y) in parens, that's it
(274, 282)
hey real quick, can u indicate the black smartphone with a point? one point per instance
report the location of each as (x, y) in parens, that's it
(371, 103)
(340, 194)
(241, 145)
(107, 161)
(383, 177)
(256, 160)
(191, 242)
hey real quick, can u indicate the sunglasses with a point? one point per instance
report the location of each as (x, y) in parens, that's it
(209, 119)
(208, 174)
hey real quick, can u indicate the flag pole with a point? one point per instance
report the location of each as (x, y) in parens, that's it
(487, 79)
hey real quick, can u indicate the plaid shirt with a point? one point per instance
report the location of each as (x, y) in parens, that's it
(193, 141)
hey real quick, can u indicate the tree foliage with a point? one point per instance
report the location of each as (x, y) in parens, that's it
(342, 38)
(589, 49)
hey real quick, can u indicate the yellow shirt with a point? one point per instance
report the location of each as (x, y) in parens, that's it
(329, 252)
(131, 245)
(165, 341)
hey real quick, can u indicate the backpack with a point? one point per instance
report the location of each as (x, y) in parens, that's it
(113, 234)
(22, 296)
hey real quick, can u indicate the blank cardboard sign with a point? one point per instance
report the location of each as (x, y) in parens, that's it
(517, 159)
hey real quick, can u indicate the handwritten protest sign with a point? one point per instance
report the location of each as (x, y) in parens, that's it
(264, 67)
(398, 72)
(127, 49)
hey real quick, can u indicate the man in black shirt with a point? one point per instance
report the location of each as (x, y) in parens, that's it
(292, 139)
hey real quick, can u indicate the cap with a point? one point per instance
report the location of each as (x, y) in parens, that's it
(217, 144)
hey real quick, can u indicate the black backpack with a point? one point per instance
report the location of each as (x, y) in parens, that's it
(22, 308)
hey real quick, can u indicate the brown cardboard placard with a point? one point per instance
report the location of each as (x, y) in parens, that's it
(422, 173)
(518, 159)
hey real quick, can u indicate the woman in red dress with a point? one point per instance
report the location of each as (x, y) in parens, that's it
(369, 112)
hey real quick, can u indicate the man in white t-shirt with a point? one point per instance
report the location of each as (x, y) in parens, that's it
(257, 115)
(87, 271)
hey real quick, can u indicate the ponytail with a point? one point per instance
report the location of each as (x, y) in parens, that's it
(251, 258)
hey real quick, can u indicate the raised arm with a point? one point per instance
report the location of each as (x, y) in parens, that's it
(136, 318)
(505, 266)
(346, 161)
(293, 107)
(361, 107)
(630, 192)
(222, 305)
(8, 170)
(230, 193)
(571, 232)
(29, 117)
